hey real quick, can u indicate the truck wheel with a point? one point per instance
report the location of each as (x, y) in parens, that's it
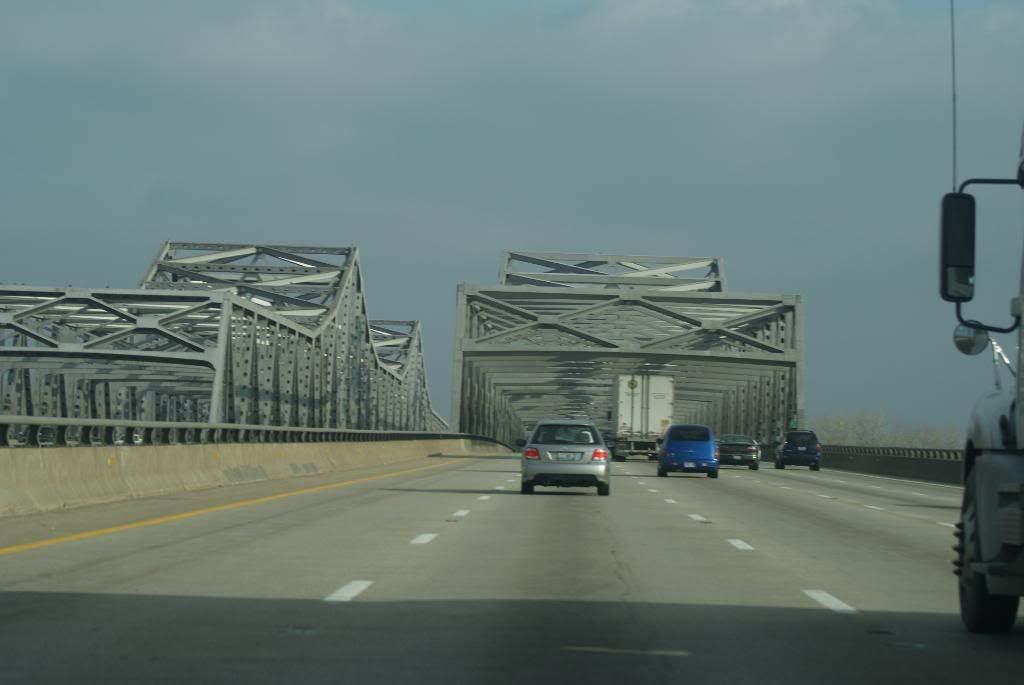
(779, 464)
(981, 611)
(815, 467)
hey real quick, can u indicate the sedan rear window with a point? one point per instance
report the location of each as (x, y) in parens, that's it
(694, 433)
(554, 434)
(736, 440)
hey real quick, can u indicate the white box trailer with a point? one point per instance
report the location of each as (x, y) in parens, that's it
(643, 411)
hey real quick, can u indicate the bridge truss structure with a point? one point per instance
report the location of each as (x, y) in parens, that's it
(261, 335)
(552, 339)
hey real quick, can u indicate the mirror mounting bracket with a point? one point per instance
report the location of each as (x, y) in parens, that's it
(991, 182)
(982, 327)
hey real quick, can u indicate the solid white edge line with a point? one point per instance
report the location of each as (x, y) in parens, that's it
(348, 591)
(829, 602)
(461, 512)
(947, 525)
(740, 544)
(423, 538)
(872, 506)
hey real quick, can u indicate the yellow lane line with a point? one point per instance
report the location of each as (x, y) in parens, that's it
(145, 523)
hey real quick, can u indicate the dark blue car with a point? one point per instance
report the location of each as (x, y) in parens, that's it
(801, 448)
(690, 449)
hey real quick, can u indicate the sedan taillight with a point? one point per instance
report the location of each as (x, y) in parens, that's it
(716, 454)
(600, 454)
(531, 453)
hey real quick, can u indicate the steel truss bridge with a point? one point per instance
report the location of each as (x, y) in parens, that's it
(255, 335)
(552, 338)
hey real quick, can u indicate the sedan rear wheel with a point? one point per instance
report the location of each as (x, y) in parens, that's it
(526, 488)
(662, 473)
(754, 467)
(603, 489)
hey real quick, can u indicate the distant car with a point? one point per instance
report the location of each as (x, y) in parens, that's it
(565, 453)
(801, 448)
(742, 450)
(689, 449)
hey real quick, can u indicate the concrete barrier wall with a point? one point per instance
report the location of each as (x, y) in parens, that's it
(35, 479)
(937, 466)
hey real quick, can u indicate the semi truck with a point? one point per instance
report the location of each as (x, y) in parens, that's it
(989, 560)
(643, 410)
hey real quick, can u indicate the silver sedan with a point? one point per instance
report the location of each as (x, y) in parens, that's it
(565, 453)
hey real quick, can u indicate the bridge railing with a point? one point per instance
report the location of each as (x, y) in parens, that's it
(34, 431)
(937, 465)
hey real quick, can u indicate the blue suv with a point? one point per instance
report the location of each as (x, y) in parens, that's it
(690, 449)
(801, 448)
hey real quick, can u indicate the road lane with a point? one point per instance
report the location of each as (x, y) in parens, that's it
(553, 587)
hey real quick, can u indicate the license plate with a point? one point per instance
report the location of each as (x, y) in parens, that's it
(689, 465)
(736, 457)
(567, 456)
(801, 449)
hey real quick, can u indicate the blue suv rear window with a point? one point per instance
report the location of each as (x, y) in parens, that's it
(692, 433)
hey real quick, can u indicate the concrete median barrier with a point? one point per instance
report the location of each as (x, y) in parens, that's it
(937, 466)
(35, 479)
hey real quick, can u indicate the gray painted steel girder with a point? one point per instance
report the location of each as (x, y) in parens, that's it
(553, 339)
(273, 335)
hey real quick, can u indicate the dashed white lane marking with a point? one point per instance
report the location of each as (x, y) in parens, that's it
(499, 487)
(651, 490)
(840, 481)
(671, 501)
(510, 481)
(422, 539)
(825, 496)
(348, 591)
(947, 525)
(875, 487)
(461, 513)
(785, 487)
(739, 544)
(483, 497)
(919, 494)
(829, 602)
(872, 506)
(697, 517)
(641, 483)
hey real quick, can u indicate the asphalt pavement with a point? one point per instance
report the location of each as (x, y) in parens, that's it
(439, 571)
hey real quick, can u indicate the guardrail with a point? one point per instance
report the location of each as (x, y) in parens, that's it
(35, 431)
(940, 466)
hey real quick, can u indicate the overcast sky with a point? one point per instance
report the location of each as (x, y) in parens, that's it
(807, 143)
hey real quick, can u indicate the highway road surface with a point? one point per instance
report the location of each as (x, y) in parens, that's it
(439, 571)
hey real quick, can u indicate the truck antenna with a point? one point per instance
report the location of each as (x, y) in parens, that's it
(952, 54)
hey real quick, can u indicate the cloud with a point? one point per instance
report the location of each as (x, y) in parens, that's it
(804, 142)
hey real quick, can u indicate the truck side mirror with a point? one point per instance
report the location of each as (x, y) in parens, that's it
(969, 340)
(956, 262)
